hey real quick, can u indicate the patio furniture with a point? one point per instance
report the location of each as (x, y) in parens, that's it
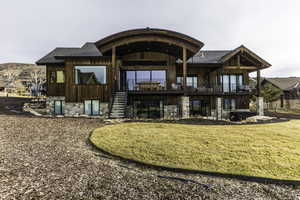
(149, 85)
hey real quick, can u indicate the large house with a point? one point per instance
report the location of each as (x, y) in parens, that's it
(290, 87)
(149, 73)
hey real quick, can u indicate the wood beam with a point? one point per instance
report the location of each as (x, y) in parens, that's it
(241, 67)
(149, 38)
(184, 65)
(113, 62)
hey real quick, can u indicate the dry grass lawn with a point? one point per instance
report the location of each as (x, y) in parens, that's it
(267, 150)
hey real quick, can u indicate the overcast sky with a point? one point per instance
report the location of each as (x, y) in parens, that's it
(271, 28)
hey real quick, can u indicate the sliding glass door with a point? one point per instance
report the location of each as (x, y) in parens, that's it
(139, 79)
(231, 82)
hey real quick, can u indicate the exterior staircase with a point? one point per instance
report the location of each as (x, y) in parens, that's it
(118, 107)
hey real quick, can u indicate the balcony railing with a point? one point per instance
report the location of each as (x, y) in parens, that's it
(161, 85)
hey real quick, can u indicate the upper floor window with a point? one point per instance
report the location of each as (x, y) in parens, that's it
(57, 77)
(191, 81)
(90, 75)
(231, 82)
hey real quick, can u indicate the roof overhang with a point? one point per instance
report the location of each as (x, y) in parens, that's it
(259, 62)
(155, 40)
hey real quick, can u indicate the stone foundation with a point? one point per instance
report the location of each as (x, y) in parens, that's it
(185, 107)
(74, 109)
(50, 103)
(171, 111)
(219, 109)
(260, 106)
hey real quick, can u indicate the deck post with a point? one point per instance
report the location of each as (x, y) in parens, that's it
(184, 65)
(259, 99)
(185, 107)
(219, 108)
(114, 70)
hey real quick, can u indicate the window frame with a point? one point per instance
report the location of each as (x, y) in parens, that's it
(92, 110)
(231, 100)
(237, 81)
(53, 76)
(194, 77)
(99, 65)
(62, 110)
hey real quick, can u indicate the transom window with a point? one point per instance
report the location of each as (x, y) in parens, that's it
(90, 75)
(92, 107)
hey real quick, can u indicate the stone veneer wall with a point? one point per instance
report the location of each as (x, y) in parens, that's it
(185, 107)
(50, 103)
(74, 109)
(171, 111)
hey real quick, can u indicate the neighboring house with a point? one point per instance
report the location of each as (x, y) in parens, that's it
(149, 73)
(290, 87)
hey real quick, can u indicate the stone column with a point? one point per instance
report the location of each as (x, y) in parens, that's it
(219, 108)
(185, 107)
(260, 106)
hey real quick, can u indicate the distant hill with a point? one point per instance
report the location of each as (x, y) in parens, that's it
(22, 69)
(20, 66)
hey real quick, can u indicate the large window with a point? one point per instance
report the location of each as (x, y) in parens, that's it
(199, 107)
(231, 83)
(191, 81)
(59, 107)
(90, 75)
(155, 78)
(92, 107)
(229, 104)
(57, 77)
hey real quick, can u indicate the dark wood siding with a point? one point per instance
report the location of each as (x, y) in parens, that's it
(79, 93)
(55, 89)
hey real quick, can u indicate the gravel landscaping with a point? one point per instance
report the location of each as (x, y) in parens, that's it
(50, 158)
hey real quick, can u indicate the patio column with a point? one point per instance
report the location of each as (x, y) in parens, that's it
(185, 107)
(219, 108)
(258, 85)
(259, 99)
(184, 65)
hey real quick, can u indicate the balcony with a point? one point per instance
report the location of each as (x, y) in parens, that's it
(161, 86)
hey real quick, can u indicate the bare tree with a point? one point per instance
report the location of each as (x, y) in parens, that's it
(11, 75)
(37, 78)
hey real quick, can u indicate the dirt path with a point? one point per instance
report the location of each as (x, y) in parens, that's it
(44, 158)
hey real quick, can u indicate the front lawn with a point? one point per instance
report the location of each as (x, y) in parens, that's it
(266, 150)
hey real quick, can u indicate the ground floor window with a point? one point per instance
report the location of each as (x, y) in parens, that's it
(92, 107)
(149, 109)
(59, 107)
(199, 107)
(229, 104)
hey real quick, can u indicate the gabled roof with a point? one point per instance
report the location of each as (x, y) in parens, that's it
(285, 84)
(208, 57)
(221, 56)
(242, 48)
(58, 54)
